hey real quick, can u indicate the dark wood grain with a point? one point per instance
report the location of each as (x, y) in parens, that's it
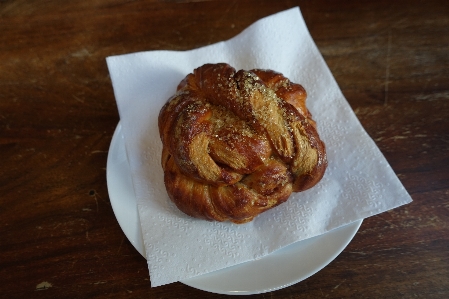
(58, 114)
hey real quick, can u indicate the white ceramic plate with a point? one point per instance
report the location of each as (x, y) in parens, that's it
(278, 270)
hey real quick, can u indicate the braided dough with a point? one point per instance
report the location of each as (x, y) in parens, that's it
(236, 144)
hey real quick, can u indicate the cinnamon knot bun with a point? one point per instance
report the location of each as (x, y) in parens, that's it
(237, 143)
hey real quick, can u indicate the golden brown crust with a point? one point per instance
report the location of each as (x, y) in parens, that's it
(236, 144)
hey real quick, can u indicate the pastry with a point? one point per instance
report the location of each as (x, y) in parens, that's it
(237, 143)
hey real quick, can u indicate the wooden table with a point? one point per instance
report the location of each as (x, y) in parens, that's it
(58, 234)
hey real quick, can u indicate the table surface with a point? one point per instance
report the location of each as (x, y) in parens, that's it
(59, 237)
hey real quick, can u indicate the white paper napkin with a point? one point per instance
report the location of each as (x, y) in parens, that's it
(358, 182)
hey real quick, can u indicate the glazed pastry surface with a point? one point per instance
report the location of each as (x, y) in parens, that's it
(237, 143)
